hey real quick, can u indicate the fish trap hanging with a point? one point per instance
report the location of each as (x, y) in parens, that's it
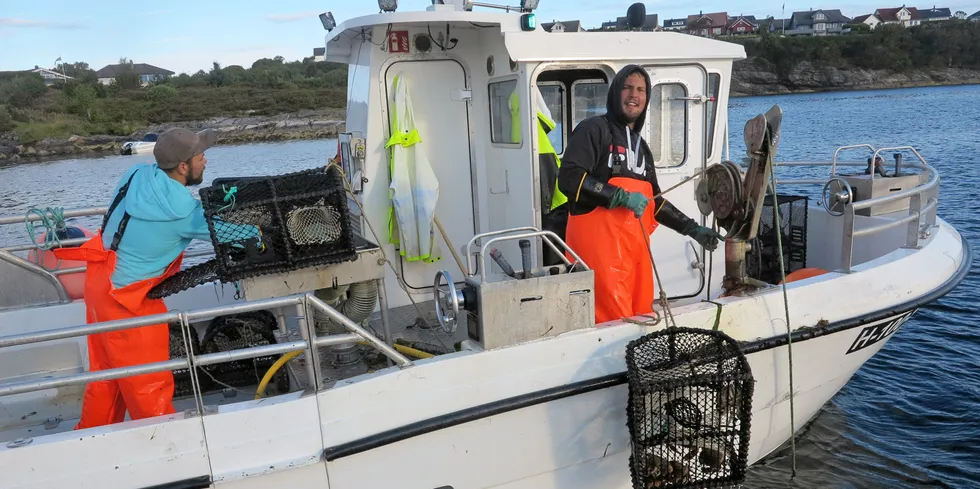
(689, 409)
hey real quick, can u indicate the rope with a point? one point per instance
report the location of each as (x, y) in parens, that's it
(789, 336)
(229, 196)
(51, 227)
(669, 316)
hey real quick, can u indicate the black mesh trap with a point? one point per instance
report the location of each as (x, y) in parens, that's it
(262, 225)
(187, 278)
(236, 332)
(763, 261)
(689, 409)
(182, 377)
(303, 219)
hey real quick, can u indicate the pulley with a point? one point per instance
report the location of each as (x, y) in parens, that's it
(720, 191)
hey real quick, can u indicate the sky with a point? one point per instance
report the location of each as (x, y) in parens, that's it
(185, 36)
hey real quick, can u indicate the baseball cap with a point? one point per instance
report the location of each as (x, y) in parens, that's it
(178, 144)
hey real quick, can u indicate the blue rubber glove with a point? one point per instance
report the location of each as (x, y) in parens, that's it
(633, 201)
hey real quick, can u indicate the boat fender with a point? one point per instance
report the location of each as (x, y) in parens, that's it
(803, 273)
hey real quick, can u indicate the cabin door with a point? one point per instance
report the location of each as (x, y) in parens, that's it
(676, 135)
(439, 93)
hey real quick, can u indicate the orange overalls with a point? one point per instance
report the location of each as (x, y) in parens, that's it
(147, 395)
(611, 242)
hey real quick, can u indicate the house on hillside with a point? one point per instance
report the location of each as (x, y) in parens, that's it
(975, 17)
(903, 16)
(50, 76)
(776, 26)
(563, 26)
(707, 25)
(871, 20)
(147, 73)
(817, 23)
(319, 54)
(935, 14)
(743, 24)
(675, 24)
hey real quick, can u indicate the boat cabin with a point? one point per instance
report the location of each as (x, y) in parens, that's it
(477, 80)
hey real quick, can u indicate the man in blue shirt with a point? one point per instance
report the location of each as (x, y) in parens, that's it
(150, 222)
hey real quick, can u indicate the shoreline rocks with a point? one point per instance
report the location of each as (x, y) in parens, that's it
(231, 130)
(753, 78)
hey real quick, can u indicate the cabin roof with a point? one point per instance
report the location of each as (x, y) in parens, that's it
(540, 45)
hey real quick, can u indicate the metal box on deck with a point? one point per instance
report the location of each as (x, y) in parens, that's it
(516, 310)
(866, 188)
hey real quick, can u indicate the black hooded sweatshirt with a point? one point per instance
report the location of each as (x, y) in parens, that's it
(597, 151)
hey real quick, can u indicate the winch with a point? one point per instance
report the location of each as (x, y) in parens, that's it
(512, 307)
(738, 201)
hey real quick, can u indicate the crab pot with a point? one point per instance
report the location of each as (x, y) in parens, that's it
(689, 409)
(303, 219)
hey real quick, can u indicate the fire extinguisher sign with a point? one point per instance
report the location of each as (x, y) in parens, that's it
(398, 42)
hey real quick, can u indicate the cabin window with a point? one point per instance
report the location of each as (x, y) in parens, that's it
(553, 95)
(711, 107)
(668, 124)
(505, 120)
(588, 99)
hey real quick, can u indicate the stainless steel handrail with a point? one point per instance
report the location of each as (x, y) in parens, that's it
(87, 211)
(191, 361)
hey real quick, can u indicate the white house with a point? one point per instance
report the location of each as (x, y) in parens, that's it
(50, 76)
(903, 16)
(871, 20)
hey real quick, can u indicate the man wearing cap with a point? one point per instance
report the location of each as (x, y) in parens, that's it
(151, 220)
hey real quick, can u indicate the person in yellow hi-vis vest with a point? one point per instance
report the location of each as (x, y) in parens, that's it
(554, 211)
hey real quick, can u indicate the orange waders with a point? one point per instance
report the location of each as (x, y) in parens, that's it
(611, 242)
(147, 395)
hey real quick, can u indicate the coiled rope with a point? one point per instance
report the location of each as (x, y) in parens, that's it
(50, 226)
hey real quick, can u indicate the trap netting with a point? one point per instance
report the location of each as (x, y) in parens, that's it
(689, 409)
(275, 224)
(262, 225)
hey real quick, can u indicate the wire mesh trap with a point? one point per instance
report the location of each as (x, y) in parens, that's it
(689, 409)
(236, 332)
(273, 224)
(763, 261)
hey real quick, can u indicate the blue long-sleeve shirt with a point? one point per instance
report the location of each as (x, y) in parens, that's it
(164, 219)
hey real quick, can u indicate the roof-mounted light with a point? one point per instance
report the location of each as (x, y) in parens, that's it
(388, 5)
(327, 20)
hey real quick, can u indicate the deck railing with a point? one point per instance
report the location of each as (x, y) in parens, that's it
(920, 202)
(306, 303)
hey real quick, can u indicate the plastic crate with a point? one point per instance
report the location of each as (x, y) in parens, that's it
(689, 409)
(303, 218)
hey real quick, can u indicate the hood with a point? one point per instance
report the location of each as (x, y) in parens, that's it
(154, 196)
(613, 106)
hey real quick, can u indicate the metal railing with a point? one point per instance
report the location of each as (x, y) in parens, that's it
(307, 303)
(918, 205)
(7, 252)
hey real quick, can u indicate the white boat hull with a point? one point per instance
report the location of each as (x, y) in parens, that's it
(544, 414)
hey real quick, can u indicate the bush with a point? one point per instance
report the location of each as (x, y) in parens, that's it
(161, 93)
(6, 121)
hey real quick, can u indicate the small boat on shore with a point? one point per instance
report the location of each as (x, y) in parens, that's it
(326, 358)
(143, 146)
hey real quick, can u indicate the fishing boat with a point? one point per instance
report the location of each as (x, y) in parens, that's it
(143, 146)
(329, 358)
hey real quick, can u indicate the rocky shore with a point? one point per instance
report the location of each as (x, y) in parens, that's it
(231, 130)
(751, 77)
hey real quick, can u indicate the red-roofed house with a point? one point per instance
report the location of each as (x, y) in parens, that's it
(707, 25)
(904, 16)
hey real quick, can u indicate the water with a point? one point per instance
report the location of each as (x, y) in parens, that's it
(906, 419)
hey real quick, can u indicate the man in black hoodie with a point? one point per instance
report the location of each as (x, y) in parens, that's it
(608, 174)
